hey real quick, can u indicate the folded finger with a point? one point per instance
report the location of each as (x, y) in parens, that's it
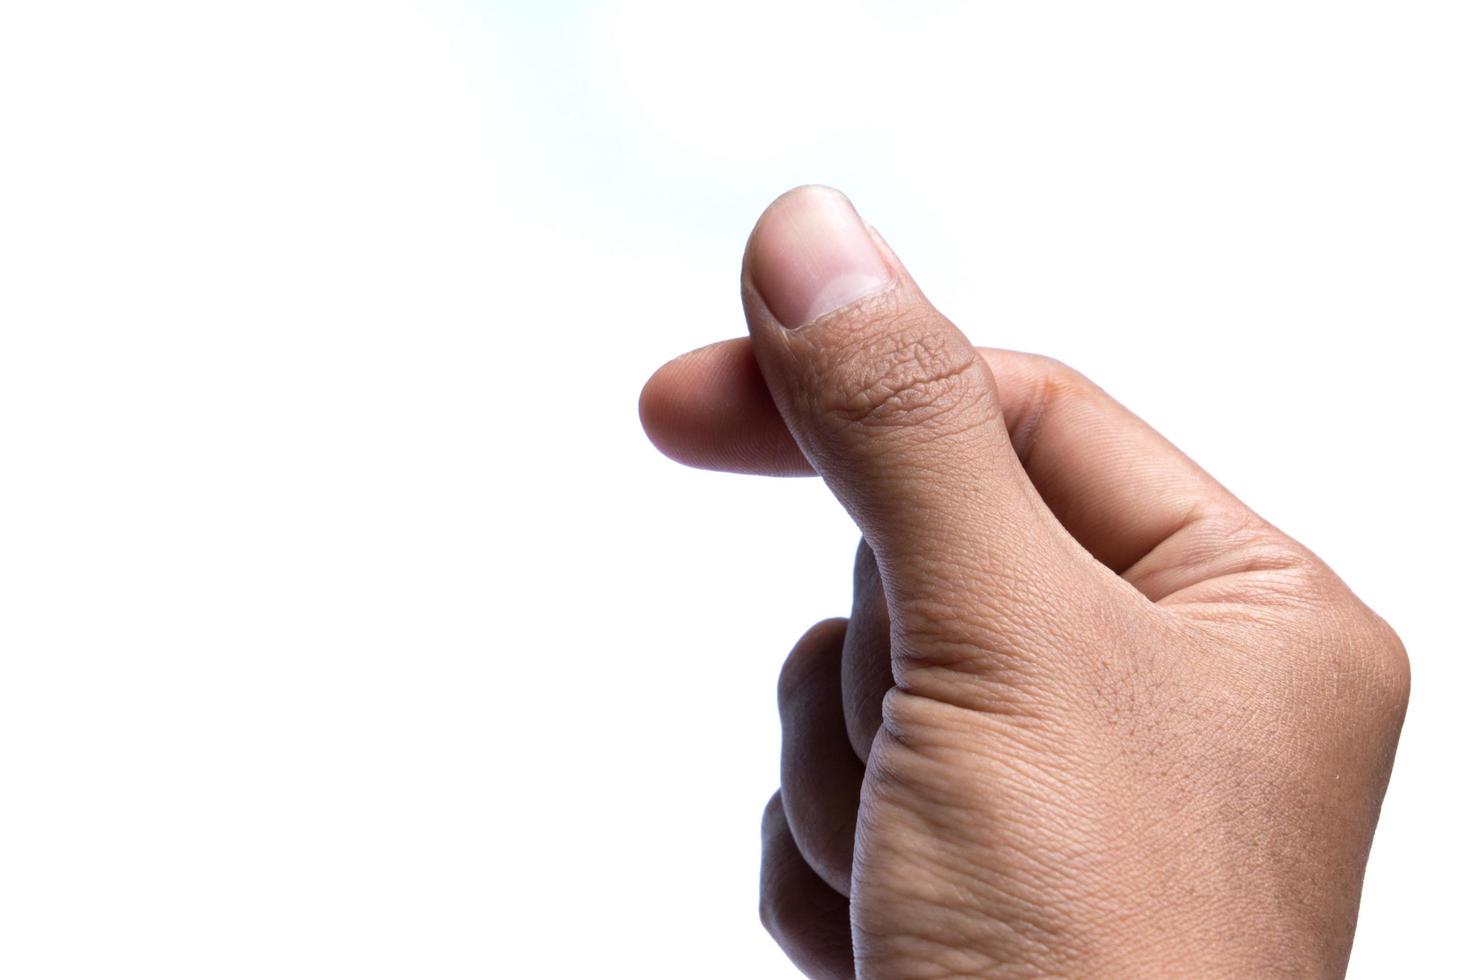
(1117, 485)
(809, 921)
(821, 777)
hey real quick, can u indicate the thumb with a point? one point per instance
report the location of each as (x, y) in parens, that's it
(899, 414)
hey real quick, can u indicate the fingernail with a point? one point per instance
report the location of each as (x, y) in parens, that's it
(811, 254)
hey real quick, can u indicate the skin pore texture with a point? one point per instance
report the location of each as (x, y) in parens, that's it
(1090, 715)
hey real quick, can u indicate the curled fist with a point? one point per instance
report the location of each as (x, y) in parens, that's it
(1090, 716)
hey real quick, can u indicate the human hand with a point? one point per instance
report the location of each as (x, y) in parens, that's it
(1091, 716)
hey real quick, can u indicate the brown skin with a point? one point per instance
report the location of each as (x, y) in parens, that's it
(1090, 716)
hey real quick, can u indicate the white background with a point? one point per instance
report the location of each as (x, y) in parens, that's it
(348, 625)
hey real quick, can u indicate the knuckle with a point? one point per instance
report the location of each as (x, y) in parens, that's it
(1065, 384)
(780, 912)
(806, 660)
(1053, 383)
(770, 910)
(1062, 377)
(1312, 579)
(1390, 662)
(903, 368)
(1270, 567)
(1356, 654)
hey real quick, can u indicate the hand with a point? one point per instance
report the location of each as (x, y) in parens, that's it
(1091, 716)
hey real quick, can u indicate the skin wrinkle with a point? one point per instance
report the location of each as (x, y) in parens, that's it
(937, 880)
(1039, 397)
(914, 378)
(1017, 874)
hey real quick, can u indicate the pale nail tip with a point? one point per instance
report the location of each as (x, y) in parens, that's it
(844, 291)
